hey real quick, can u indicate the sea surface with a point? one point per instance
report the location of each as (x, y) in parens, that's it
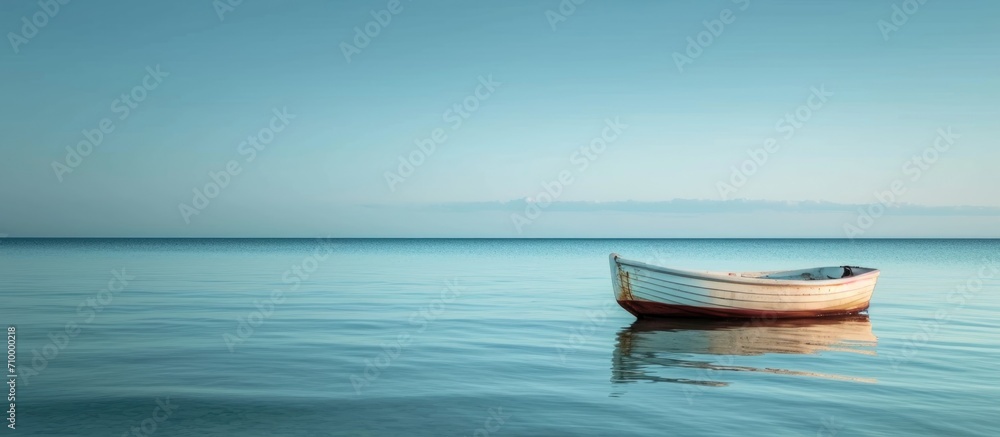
(485, 338)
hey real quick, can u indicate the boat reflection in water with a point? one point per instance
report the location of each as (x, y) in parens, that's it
(650, 348)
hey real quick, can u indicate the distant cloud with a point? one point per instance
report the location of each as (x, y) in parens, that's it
(695, 206)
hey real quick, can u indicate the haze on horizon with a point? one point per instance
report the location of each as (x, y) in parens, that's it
(729, 118)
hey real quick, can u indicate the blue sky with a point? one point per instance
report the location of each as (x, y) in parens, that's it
(592, 94)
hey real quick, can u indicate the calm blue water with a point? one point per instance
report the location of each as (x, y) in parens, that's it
(485, 337)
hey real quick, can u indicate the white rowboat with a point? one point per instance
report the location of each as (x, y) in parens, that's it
(653, 291)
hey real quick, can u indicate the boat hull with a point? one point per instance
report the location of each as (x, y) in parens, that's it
(653, 291)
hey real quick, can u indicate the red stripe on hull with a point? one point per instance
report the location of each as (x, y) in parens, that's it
(642, 309)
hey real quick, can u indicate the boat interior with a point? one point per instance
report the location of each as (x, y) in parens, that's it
(817, 274)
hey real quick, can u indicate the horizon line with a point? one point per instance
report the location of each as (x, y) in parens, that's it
(492, 238)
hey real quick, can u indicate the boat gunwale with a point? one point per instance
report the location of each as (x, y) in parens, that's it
(718, 277)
